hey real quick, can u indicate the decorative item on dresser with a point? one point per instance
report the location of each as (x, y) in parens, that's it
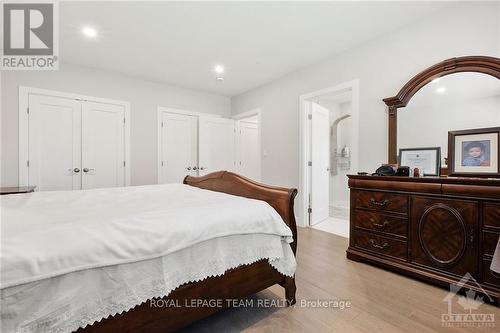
(426, 159)
(474, 152)
(436, 229)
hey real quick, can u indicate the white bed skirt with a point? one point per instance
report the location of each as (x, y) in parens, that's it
(87, 296)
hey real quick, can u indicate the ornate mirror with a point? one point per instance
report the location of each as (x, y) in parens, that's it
(453, 95)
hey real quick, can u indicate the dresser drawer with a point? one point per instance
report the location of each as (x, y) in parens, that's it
(491, 214)
(490, 240)
(379, 244)
(489, 276)
(381, 201)
(380, 222)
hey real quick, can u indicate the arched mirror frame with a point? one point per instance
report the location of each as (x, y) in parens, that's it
(478, 64)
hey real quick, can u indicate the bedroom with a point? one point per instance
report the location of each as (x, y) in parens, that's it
(126, 99)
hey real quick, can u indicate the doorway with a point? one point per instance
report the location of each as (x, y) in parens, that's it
(329, 140)
(248, 144)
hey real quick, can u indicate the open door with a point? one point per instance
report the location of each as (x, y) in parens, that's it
(216, 145)
(320, 169)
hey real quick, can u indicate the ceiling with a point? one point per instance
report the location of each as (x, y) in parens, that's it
(257, 42)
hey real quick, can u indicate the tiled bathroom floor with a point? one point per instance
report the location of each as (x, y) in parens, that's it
(335, 226)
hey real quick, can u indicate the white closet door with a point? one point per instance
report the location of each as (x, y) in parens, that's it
(216, 145)
(179, 147)
(320, 177)
(54, 143)
(103, 145)
(248, 150)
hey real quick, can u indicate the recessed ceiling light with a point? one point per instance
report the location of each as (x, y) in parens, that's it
(436, 80)
(219, 78)
(89, 32)
(441, 90)
(219, 69)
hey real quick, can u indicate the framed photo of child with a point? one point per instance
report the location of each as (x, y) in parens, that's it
(474, 152)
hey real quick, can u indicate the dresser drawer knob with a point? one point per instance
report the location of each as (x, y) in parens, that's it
(375, 245)
(380, 225)
(379, 203)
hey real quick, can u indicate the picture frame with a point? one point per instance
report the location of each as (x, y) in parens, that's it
(474, 153)
(427, 159)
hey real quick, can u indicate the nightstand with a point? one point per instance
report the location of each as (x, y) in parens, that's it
(16, 189)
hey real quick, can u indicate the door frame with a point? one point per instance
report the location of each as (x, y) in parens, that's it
(247, 114)
(159, 111)
(23, 158)
(305, 140)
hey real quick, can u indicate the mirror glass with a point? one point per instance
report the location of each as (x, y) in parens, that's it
(454, 102)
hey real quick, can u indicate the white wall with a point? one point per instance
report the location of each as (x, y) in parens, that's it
(383, 66)
(144, 96)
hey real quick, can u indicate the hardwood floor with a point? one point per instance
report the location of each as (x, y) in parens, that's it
(381, 301)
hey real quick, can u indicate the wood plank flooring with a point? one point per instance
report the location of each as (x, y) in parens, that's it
(381, 301)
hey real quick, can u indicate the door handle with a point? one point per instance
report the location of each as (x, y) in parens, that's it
(195, 168)
(202, 168)
(188, 168)
(87, 170)
(75, 170)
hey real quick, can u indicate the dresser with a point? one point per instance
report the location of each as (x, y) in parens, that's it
(438, 229)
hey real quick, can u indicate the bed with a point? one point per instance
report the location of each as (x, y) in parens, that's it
(143, 258)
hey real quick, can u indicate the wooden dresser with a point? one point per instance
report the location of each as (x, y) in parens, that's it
(435, 228)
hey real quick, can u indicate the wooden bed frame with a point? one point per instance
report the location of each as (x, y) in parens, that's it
(234, 284)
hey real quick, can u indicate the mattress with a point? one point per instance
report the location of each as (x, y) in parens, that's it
(70, 258)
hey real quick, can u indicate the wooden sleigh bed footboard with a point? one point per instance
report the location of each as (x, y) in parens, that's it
(157, 316)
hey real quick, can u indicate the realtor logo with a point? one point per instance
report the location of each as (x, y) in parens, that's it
(30, 36)
(466, 311)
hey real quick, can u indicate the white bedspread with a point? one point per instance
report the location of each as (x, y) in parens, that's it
(71, 258)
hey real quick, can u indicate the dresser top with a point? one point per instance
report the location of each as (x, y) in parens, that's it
(428, 179)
